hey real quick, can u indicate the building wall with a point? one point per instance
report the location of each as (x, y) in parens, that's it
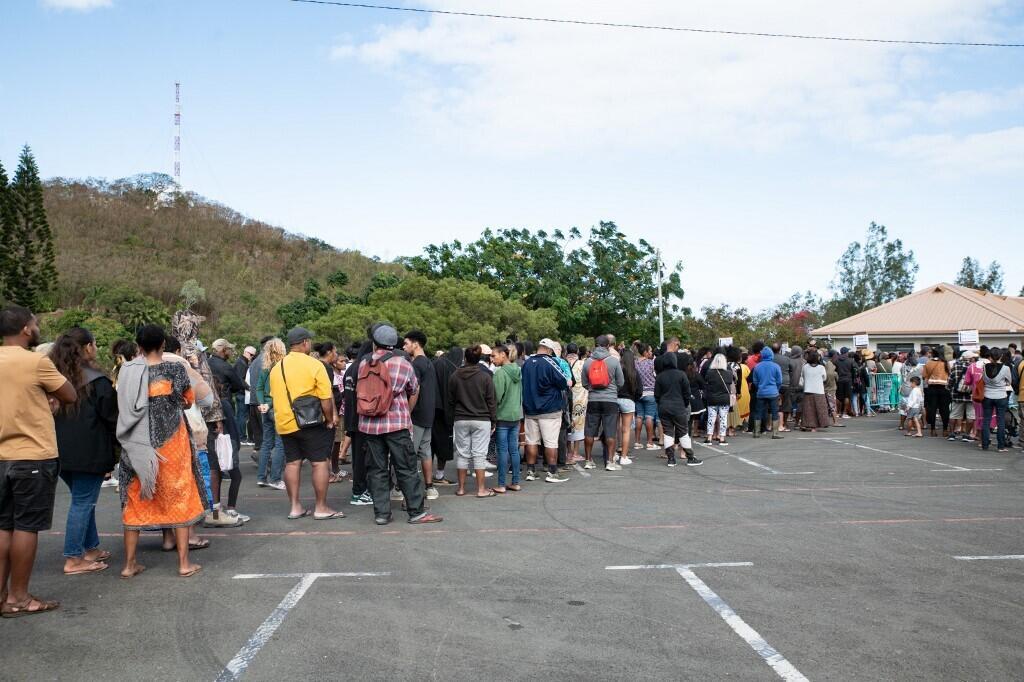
(904, 342)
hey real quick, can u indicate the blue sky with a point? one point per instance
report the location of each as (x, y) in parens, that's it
(753, 161)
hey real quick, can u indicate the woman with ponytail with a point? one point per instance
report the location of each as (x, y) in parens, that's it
(85, 443)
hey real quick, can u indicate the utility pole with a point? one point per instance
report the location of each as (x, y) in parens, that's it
(661, 301)
(177, 135)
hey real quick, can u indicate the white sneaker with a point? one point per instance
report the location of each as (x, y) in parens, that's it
(277, 485)
(488, 474)
(652, 446)
(846, 416)
(638, 446)
(490, 467)
(612, 467)
(235, 515)
(396, 495)
(625, 460)
(589, 464)
(432, 493)
(109, 483)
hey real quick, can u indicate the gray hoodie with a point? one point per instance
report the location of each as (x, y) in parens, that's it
(784, 363)
(611, 393)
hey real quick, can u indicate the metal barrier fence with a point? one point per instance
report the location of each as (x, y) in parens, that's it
(884, 391)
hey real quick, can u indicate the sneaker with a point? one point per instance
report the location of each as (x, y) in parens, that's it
(951, 437)
(671, 462)
(277, 485)
(531, 475)
(383, 520)
(224, 521)
(396, 495)
(723, 442)
(589, 464)
(490, 467)
(625, 460)
(488, 474)
(109, 483)
(360, 500)
(612, 467)
(432, 493)
(692, 461)
(556, 478)
(234, 514)
(565, 467)
(638, 446)
(652, 446)
(261, 484)
(846, 416)
(968, 439)
(443, 481)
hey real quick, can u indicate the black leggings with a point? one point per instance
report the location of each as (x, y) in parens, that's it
(216, 474)
(937, 399)
(357, 452)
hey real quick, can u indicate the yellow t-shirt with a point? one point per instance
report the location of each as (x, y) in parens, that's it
(306, 376)
(26, 423)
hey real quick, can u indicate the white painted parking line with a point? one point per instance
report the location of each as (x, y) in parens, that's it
(1002, 557)
(949, 467)
(766, 469)
(237, 665)
(771, 656)
(581, 471)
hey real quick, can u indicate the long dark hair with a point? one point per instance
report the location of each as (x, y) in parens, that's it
(68, 356)
(628, 364)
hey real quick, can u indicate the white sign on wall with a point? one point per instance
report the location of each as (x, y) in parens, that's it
(725, 341)
(968, 337)
(860, 341)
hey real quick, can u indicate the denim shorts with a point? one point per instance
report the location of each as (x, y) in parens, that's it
(647, 408)
(626, 406)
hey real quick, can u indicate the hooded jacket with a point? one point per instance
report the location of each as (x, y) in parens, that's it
(471, 394)
(717, 383)
(782, 360)
(544, 386)
(796, 368)
(672, 387)
(85, 436)
(610, 393)
(767, 376)
(508, 391)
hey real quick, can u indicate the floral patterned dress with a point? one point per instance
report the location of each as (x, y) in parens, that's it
(180, 496)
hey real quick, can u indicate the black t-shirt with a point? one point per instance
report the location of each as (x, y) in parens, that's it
(423, 413)
(844, 369)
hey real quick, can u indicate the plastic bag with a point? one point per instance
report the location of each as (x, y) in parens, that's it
(225, 452)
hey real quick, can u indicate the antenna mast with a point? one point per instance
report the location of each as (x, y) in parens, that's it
(177, 134)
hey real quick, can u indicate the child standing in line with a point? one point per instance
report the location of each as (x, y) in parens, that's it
(915, 408)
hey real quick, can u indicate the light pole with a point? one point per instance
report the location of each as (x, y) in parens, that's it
(661, 302)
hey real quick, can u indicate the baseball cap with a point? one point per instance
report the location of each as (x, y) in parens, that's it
(548, 343)
(385, 336)
(298, 335)
(250, 350)
(485, 349)
(969, 354)
(221, 344)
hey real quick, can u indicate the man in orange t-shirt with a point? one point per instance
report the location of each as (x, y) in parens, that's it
(28, 456)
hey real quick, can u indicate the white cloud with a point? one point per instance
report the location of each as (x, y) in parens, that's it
(993, 152)
(524, 88)
(78, 5)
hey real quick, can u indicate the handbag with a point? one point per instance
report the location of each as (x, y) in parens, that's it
(978, 391)
(225, 452)
(306, 409)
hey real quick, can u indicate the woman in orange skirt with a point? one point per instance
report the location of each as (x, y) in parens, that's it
(161, 486)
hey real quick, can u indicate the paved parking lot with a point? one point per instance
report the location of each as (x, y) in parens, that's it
(821, 556)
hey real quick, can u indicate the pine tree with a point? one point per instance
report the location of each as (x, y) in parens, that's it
(6, 228)
(32, 272)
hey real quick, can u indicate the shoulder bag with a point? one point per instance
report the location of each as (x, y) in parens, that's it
(307, 409)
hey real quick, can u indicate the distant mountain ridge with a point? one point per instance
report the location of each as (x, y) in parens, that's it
(142, 233)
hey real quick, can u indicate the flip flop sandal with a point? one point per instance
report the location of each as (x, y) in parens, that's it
(462, 494)
(490, 493)
(198, 545)
(138, 570)
(293, 517)
(328, 517)
(102, 556)
(190, 573)
(19, 610)
(96, 567)
(499, 492)
(515, 487)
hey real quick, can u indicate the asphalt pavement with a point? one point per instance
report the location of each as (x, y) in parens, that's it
(821, 556)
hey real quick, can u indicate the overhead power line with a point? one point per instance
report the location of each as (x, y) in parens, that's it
(651, 27)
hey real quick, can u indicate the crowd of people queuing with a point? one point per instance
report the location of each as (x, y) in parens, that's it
(167, 426)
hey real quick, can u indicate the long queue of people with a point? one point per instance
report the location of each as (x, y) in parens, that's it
(169, 422)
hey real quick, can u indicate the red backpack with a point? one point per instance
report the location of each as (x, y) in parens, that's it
(373, 387)
(597, 375)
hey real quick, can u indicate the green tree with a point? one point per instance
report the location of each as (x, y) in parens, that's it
(130, 307)
(973, 276)
(607, 285)
(7, 222)
(870, 274)
(191, 293)
(337, 279)
(31, 273)
(449, 311)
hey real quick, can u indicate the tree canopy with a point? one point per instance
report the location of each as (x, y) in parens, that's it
(608, 283)
(28, 273)
(449, 311)
(870, 274)
(973, 276)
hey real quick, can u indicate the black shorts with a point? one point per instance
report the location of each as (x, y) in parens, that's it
(675, 424)
(27, 489)
(844, 391)
(602, 416)
(315, 444)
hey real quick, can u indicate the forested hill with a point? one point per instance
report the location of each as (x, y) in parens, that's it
(133, 235)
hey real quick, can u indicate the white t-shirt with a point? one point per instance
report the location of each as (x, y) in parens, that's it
(813, 378)
(916, 398)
